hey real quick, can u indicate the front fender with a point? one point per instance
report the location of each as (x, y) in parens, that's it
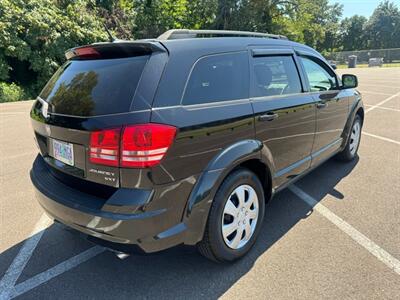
(202, 195)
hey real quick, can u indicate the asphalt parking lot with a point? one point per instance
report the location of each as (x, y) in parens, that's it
(334, 235)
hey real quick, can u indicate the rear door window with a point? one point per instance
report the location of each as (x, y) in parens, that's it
(216, 78)
(275, 75)
(94, 87)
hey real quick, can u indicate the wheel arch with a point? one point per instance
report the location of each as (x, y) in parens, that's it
(248, 154)
(360, 112)
(357, 108)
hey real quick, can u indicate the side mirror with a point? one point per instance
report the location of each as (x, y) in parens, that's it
(333, 66)
(349, 81)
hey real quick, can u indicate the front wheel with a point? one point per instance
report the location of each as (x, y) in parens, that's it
(353, 142)
(235, 217)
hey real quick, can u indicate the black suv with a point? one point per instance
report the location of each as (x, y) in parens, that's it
(148, 144)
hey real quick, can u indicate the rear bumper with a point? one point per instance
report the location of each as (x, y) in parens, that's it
(146, 221)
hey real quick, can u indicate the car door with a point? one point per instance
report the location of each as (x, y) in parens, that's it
(332, 107)
(284, 114)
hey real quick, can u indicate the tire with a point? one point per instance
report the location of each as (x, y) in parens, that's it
(350, 150)
(221, 247)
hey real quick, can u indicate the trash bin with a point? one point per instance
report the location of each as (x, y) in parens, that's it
(352, 61)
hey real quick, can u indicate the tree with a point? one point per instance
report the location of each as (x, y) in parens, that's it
(153, 17)
(313, 22)
(383, 28)
(252, 15)
(35, 34)
(353, 33)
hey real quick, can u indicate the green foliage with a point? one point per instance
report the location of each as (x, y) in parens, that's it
(383, 28)
(11, 92)
(34, 34)
(353, 33)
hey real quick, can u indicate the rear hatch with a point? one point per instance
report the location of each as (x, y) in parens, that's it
(80, 116)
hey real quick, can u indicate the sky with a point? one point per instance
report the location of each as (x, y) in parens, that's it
(360, 7)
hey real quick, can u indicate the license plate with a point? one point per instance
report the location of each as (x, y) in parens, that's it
(63, 152)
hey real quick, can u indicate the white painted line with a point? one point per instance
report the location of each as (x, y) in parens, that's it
(381, 138)
(381, 107)
(394, 86)
(59, 269)
(374, 93)
(382, 102)
(17, 266)
(368, 81)
(385, 257)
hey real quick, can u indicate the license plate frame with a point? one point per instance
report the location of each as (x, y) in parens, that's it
(63, 151)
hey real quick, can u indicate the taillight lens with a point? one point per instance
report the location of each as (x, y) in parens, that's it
(138, 146)
(145, 145)
(104, 147)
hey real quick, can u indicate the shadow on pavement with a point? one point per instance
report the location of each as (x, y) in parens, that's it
(176, 273)
(323, 180)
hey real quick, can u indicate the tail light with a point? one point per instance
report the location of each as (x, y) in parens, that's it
(145, 145)
(104, 147)
(139, 146)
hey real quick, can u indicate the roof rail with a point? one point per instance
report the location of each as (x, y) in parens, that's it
(174, 34)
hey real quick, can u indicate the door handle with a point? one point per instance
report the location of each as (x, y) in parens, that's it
(268, 117)
(322, 105)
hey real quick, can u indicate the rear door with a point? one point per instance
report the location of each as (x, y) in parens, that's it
(284, 115)
(332, 106)
(207, 98)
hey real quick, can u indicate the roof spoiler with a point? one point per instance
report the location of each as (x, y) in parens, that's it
(189, 34)
(117, 49)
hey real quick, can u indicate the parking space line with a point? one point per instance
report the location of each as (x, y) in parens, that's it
(382, 86)
(17, 266)
(59, 269)
(381, 107)
(382, 102)
(374, 93)
(361, 239)
(381, 138)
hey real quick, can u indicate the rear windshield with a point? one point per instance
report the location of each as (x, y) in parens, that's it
(94, 87)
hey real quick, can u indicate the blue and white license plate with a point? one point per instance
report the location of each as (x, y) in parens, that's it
(64, 152)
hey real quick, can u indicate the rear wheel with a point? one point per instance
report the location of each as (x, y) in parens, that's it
(350, 151)
(235, 217)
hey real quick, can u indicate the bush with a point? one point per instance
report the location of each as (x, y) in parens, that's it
(35, 34)
(11, 92)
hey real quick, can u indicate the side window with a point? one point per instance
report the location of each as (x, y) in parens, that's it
(275, 75)
(220, 77)
(320, 79)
